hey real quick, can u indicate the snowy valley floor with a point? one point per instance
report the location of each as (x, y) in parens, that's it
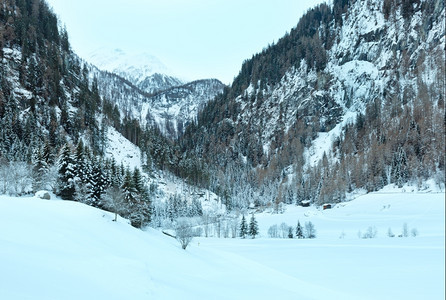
(66, 250)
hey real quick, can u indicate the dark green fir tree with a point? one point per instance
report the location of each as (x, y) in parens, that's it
(253, 227)
(243, 228)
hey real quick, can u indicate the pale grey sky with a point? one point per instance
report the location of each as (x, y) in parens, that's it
(194, 38)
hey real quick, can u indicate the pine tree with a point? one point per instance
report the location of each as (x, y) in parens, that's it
(137, 210)
(128, 188)
(79, 162)
(40, 168)
(47, 154)
(253, 227)
(137, 181)
(143, 205)
(290, 232)
(299, 231)
(196, 208)
(66, 174)
(243, 228)
(97, 184)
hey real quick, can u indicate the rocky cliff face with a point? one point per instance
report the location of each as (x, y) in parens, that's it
(371, 57)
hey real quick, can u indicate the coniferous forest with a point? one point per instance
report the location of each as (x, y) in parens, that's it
(252, 144)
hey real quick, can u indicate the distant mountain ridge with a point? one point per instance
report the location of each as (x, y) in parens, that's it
(170, 109)
(145, 71)
(142, 88)
(173, 109)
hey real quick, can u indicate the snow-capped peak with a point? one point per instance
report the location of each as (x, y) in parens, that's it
(135, 67)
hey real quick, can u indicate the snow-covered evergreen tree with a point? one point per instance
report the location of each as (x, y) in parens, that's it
(138, 183)
(195, 209)
(66, 188)
(97, 184)
(299, 231)
(136, 206)
(128, 188)
(80, 163)
(253, 227)
(40, 168)
(290, 232)
(243, 227)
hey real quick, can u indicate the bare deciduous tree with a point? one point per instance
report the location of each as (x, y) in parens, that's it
(310, 231)
(15, 178)
(184, 233)
(114, 200)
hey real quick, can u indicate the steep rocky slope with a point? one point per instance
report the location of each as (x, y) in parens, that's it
(358, 62)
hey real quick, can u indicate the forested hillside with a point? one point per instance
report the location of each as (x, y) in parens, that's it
(362, 80)
(169, 110)
(54, 122)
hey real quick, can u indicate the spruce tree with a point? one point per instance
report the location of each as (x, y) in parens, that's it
(137, 182)
(40, 168)
(66, 174)
(79, 162)
(138, 211)
(290, 232)
(253, 227)
(97, 184)
(299, 231)
(243, 228)
(128, 188)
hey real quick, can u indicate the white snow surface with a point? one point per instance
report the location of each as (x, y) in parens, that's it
(122, 150)
(324, 141)
(67, 250)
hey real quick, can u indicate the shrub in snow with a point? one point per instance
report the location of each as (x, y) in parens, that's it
(284, 230)
(370, 233)
(405, 230)
(390, 233)
(414, 232)
(15, 178)
(273, 231)
(184, 233)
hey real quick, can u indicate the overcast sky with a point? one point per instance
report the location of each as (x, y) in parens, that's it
(194, 38)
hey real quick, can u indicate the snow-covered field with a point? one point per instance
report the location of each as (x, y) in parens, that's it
(52, 249)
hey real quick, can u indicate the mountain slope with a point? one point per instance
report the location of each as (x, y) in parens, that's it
(169, 109)
(45, 94)
(372, 72)
(173, 109)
